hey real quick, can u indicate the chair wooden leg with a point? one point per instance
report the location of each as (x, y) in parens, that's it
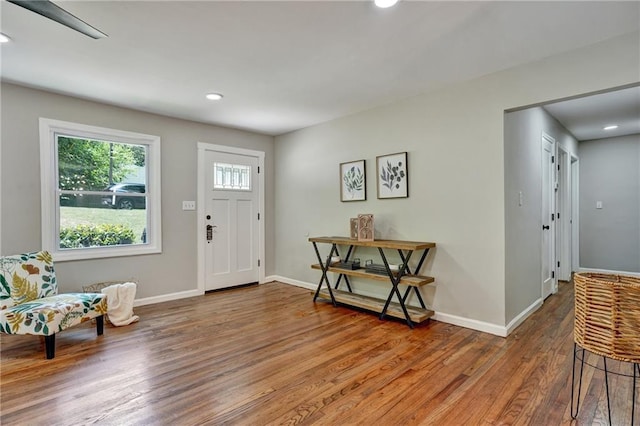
(100, 325)
(50, 346)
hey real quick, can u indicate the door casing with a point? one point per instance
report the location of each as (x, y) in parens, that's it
(575, 217)
(563, 219)
(548, 236)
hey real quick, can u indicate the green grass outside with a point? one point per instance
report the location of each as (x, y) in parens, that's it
(135, 219)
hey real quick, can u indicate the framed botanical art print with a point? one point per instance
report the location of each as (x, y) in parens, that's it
(392, 175)
(353, 182)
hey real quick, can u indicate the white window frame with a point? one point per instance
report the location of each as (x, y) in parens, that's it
(50, 206)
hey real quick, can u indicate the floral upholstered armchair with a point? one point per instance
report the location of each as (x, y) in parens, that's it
(30, 303)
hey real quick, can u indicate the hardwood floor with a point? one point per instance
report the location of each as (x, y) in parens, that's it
(268, 355)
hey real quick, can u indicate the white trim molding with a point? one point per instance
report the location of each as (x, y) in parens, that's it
(167, 297)
(292, 282)
(485, 327)
(519, 319)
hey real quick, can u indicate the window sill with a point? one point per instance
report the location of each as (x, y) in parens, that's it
(103, 252)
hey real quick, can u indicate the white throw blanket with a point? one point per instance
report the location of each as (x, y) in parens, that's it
(120, 303)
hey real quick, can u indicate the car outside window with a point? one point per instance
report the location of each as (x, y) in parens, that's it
(126, 196)
(100, 191)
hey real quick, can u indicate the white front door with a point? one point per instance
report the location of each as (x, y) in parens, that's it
(231, 219)
(548, 215)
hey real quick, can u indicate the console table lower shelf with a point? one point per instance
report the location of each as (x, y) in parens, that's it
(373, 304)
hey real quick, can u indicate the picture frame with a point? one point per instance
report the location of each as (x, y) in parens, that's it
(353, 181)
(392, 175)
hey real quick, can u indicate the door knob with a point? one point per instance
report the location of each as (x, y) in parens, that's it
(545, 227)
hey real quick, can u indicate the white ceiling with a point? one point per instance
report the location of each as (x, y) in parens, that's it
(287, 65)
(586, 117)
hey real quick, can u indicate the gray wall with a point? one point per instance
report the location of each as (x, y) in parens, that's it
(610, 173)
(522, 149)
(455, 140)
(174, 270)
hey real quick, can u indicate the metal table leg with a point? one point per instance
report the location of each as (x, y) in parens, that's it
(325, 267)
(405, 262)
(395, 281)
(346, 279)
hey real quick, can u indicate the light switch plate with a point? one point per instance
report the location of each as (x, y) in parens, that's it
(188, 205)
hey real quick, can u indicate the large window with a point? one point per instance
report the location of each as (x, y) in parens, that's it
(100, 191)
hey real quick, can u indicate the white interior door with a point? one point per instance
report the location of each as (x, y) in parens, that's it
(231, 217)
(575, 236)
(563, 218)
(548, 215)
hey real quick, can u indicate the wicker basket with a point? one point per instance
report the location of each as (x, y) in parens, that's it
(607, 315)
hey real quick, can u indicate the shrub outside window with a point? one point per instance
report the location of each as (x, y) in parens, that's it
(100, 191)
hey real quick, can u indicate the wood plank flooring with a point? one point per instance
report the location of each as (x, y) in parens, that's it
(267, 355)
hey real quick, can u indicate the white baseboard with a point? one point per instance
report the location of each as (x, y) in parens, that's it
(167, 297)
(606, 271)
(191, 293)
(293, 282)
(449, 319)
(523, 316)
(485, 327)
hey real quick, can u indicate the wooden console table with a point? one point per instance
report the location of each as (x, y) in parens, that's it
(403, 276)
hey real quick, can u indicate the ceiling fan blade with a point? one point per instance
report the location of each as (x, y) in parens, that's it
(50, 10)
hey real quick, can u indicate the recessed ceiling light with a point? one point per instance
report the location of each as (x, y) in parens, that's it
(611, 127)
(4, 38)
(214, 96)
(385, 3)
